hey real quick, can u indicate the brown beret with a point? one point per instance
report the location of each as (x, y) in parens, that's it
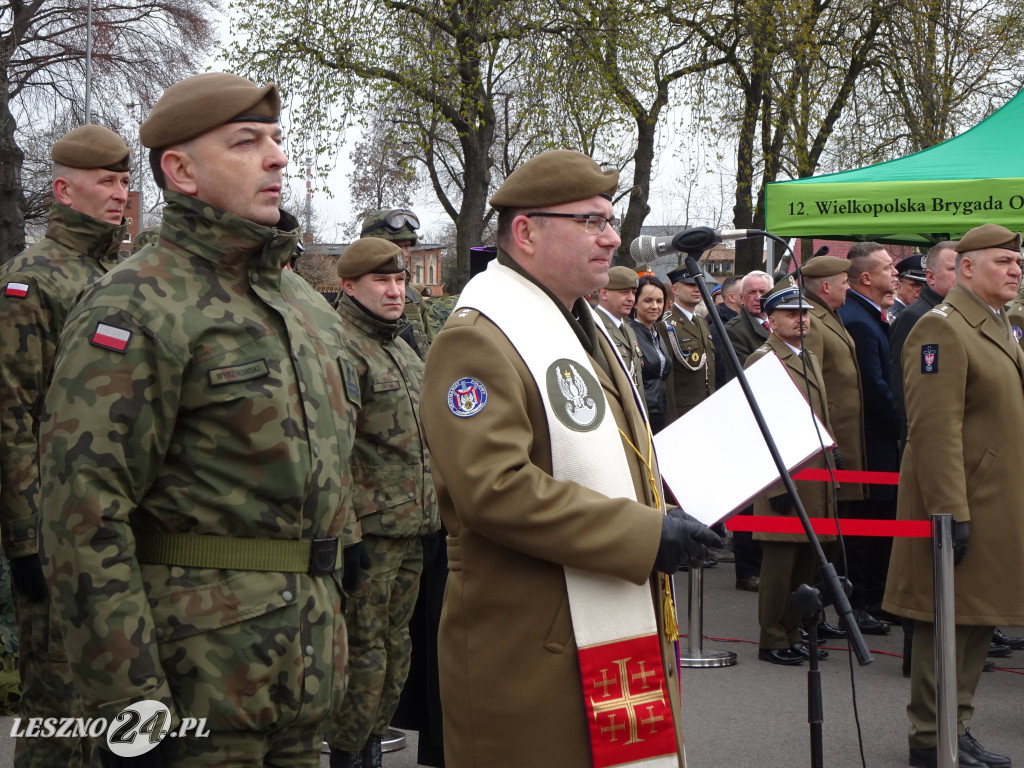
(989, 236)
(203, 102)
(92, 146)
(824, 266)
(554, 177)
(371, 254)
(621, 278)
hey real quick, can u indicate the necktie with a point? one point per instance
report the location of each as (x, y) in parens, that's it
(767, 326)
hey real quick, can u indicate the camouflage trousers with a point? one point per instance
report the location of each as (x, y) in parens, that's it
(10, 683)
(377, 618)
(46, 688)
(296, 747)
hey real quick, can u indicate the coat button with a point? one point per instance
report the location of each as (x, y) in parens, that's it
(286, 596)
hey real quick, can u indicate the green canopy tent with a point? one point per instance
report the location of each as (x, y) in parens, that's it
(932, 195)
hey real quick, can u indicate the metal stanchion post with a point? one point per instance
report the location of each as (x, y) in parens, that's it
(695, 655)
(945, 641)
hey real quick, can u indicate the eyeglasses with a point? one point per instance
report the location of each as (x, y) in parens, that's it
(593, 223)
(395, 221)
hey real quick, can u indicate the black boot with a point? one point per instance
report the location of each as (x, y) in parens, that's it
(371, 753)
(340, 759)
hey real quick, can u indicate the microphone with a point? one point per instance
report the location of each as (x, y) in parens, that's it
(645, 248)
(823, 251)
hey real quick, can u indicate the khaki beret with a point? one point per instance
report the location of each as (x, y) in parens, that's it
(554, 177)
(824, 266)
(621, 278)
(989, 236)
(203, 102)
(92, 146)
(371, 254)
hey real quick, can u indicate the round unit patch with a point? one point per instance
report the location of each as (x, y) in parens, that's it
(467, 397)
(575, 395)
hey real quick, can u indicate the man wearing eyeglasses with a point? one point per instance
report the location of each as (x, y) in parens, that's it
(553, 628)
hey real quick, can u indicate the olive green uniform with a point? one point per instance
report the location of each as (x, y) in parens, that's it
(200, 399)
(37, 290)
(395, 504)
(693, 361)
(788, 559)
(624, 339)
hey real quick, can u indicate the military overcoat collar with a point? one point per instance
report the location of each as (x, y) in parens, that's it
(236, 247)
(979, 315)
(84, 234)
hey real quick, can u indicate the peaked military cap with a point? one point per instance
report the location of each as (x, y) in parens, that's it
(911, 268)
(824, 266)
(785, 295)
(92, 146)
(621, 278)
(371, 254)
(200, 103)
(681, 275)
(554, 177)
(989, 236)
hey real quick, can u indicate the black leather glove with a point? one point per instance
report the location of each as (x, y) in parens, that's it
(151, 759)
(683, 541)
(27, 574)
(781, 505)
(837, 458)
(432, 543)
(961, 533)
(355, 562)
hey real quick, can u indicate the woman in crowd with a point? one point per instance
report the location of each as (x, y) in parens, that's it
(647, 309)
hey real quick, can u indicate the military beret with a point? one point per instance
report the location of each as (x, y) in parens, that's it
(200, 103)
(621, 278)
(824, 266)
(554, 177)
(989, 236)
(371, 254)
(92, 146)
(681, 275)
(716, 289)
(785, 295)
(911, 268)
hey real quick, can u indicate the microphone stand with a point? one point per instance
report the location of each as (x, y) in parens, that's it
(686, 242)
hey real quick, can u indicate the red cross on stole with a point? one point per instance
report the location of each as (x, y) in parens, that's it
(627, 701)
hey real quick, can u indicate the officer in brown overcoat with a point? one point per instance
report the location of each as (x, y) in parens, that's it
(788, 559)
(963, 374)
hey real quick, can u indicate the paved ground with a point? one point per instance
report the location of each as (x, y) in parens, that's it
(755, 714)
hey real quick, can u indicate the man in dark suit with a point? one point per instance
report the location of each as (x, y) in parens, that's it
(872, 281)
(727, 309)
(940, 275)
(749, 329)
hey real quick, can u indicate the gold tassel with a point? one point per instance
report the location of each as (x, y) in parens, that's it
(671, 625)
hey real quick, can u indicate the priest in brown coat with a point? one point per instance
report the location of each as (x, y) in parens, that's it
(555, 648)
(963, 374)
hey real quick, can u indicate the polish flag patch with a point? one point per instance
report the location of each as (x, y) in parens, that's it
(111, 337)
(17, 290)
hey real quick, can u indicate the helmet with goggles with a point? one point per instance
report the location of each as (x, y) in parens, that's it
(396, 224)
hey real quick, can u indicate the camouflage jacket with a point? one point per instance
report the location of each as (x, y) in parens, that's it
(394, 493)
(198, 389)
(37, 290)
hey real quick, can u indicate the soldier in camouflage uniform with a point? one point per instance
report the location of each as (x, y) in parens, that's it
(84, 231)
(195, 457)
(394, 498)
(399, 226)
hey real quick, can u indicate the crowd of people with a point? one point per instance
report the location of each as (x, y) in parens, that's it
(284, 521)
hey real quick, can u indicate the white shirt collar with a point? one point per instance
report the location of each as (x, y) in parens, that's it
(617, 321)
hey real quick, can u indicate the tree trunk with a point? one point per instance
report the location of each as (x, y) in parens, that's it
(638, 208)
(12, 198)
(469, 225)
